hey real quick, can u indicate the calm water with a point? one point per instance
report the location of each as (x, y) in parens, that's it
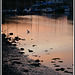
(51, 35)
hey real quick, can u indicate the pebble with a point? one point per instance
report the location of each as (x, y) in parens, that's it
(21, 48)
(60, 61)
(35, 64)
(30, 50)
(21, 52)
(37, 60)
(33, 45)
(52, 61)
(57, 66)
(11, 33)
(56, 59)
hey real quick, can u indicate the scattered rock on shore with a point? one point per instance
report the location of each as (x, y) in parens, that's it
(30, 50)
(15, 63)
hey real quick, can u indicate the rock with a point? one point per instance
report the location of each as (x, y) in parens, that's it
(35, 64)
(57, 66)
(62, 69)
(21, 52)
(58, 69)
(41, 61)
(71, 72)
(52, 61)
(39, 56)
(56, 59)
(9, 38)
(17, 38)
(3, 35)
(33, 45)
(14, 44)
(65, 71)
(11, 34)
(60, 61)
(37, 60)
(31, 39)
(46, 50)
(54, 64)
(51, 48)
(69, 68)
(30, 50)
(21, 48)
(68, 72)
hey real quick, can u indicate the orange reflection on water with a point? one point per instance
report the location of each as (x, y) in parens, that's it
(46, 33)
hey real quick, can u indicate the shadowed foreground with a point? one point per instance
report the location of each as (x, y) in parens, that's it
(15, 63)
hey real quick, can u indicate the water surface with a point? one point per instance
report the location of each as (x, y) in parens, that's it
(51, 35)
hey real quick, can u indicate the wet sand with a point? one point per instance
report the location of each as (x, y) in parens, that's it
(15, 63)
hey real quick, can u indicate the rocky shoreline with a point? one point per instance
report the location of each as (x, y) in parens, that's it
(15, 63)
